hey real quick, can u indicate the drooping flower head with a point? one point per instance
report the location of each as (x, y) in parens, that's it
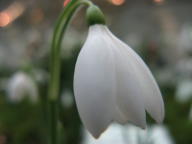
(113, 84)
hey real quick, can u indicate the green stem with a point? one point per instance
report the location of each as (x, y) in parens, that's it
(55, 59)
(59, 31)
(53, 117)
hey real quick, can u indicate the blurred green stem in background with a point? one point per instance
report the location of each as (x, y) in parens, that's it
(55, 63)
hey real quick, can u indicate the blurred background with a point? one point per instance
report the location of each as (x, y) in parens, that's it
(159, 30)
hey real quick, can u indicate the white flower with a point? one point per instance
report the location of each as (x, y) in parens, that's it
(184, 90)
(20, 86)
(67, 98)
(112, 83)
(132, 135)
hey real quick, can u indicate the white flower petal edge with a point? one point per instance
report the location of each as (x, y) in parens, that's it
(112, 83)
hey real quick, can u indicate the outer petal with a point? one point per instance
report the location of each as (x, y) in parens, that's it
(153, 99)
(94, 83)
(147, 85)
(128, 88)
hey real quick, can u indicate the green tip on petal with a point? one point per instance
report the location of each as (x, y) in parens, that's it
(95, 16)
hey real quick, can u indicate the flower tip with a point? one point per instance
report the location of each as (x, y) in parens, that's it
(160, 120)
(161, 117)
(98, 135)
(144, 127)
(140, 124)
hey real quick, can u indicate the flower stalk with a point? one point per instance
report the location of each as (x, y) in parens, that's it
(55, 64)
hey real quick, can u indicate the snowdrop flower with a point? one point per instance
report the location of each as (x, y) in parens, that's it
(132, 135)
(113, 84)
(20, 86)
(67, 98)
(184, 90)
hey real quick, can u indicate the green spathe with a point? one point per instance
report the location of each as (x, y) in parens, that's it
(95, 16)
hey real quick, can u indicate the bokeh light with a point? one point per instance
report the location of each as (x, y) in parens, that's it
(117, 2)
(4, 19)
(66, 2)
(159, 1)
(11, 13)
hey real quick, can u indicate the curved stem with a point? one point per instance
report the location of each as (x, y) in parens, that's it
(59, 31)
(55, 62)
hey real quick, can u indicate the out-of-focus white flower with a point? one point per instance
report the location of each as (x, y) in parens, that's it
(112, 83)
(184, 90)
(40, 76)
(184, 68)
(166, 76)
(20, 86)
(67, 98)
(132, 135)
(185, 38)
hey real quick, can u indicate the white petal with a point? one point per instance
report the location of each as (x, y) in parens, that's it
(153, 99)
(150, 91)
(128, 94)
(94, 83)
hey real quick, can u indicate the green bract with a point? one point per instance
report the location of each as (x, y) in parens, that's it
(95, 16)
